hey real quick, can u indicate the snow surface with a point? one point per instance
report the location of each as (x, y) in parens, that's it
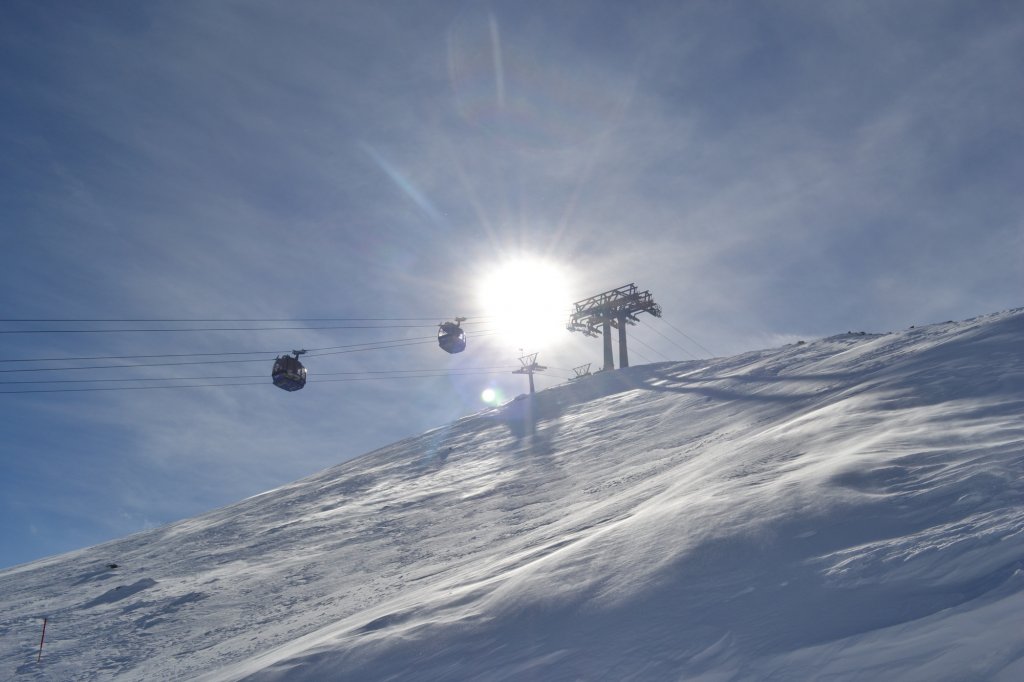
(849, 508)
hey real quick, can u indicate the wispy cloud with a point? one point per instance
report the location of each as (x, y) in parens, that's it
(769, 171)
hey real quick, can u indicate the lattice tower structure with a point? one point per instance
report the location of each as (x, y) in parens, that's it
(615, 308)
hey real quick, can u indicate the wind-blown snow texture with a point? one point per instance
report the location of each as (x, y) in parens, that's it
(849, 508)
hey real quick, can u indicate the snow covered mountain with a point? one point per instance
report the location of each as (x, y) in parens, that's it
(849, 508)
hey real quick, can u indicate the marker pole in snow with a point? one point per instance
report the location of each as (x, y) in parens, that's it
(41, 640)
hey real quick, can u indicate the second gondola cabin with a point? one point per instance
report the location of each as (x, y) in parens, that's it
(451, 337)
(288, 372)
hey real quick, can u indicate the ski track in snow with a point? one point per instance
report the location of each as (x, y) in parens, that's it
(849, 508)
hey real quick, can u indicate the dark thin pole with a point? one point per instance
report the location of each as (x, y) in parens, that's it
(41, 639)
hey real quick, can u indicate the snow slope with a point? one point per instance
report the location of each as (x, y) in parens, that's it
(849, 508)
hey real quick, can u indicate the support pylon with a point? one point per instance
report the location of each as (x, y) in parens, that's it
(530, 366)
(623, 353)
(606, 329)
(615, 308)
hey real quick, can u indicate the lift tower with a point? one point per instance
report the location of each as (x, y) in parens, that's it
(615, 308)
(530, 366)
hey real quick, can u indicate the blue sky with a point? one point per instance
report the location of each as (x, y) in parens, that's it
(770, 171)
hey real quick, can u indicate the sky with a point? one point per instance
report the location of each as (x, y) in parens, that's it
(769, 171)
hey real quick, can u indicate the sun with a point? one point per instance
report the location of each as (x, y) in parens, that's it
(527, 302)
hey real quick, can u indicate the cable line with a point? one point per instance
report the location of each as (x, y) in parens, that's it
(350, 348)
(140, 357)
(640, 355)
(411, 376)
(130, 388)
(247, 383)
(397, 345)
(216, 329)
(96, 381)
(253, 376)
(651, 348)
(250, 352)
(692, 340)
(242, 319)
(140, 364)
(669, 340)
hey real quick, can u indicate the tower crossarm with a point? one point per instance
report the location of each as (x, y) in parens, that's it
(618, 308)
(615, 306)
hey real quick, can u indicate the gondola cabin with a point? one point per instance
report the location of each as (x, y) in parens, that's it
(288, 372)
(451, 337)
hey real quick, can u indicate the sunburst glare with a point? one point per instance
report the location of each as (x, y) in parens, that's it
(528, 302)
